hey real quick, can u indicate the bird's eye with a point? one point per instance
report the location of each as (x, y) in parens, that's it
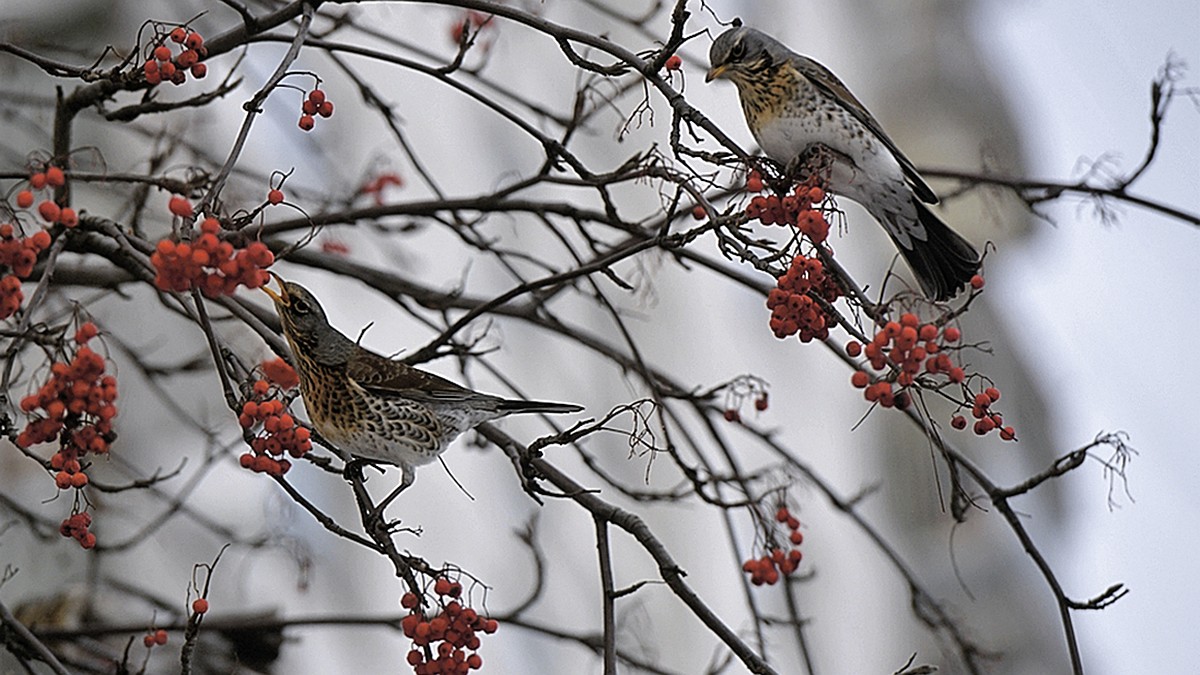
(737, 52)
(299, 306)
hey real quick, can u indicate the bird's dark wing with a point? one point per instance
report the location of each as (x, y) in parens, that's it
(827, 82)
(380, 375)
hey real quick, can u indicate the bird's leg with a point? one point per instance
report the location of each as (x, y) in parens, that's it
(353, 469)
(408, 475)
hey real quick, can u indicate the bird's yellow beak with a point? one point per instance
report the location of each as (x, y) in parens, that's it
(281, 297)
(715, 72)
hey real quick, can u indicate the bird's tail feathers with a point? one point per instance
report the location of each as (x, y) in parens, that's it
(944, 262)
(518, 406)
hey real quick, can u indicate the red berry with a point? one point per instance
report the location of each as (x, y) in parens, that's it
(160, 636)
(409, 600)
(49, 211)
(180, 206)
(732, 415)
(853, 348)
(24, 199)
(958, 422)
(951, 334)
(162, 53)
(1008, 433)
(754, 182)
(316, 96)
(859, 379)
(674, 62)
(187, 59)
(796, 537)
(149, 641)
(977, 281)
(992, 393)
(199, 71)
(275, 196)
(68, 217)
(698, 212)
(194, 41)
(306, 122)
(325, 109)
(782, 514)
(200, 605)
(178, 34)
(37, 181)
(441, 586)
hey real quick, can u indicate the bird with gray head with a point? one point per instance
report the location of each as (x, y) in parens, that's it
(376, 408)
(795, 106)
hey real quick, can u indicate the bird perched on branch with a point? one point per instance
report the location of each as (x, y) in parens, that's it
(373, 407)
(795, 106)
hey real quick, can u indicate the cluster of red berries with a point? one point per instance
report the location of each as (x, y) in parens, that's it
(472, 21)
(317, 103)
(741, 388)
(986, 420)
(776, 562)
(795, 209)
(908, 346)
(162, 65)
(209, 264)
(52, 177)
(155, 637)
(441, 643)
(378, 184)
(76, 408)
(19, 255)
(280, 435)
(793, 308)
(76, 527)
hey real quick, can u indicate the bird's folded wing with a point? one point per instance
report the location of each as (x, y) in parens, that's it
(380, 375)
(826, 81)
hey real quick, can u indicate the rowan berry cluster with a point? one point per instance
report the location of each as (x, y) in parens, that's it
(378, 184)
(907, 348)
(163, 65)
(796, 209)
(19, 255)
(739, 390)
(317, 104)
(75, 407)
(793, 307)
(777, 562)
(278, 435)
(155, 637)
(986, 420)
(76, 527)
(209, 264)
(51, 212)
(441, 643)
